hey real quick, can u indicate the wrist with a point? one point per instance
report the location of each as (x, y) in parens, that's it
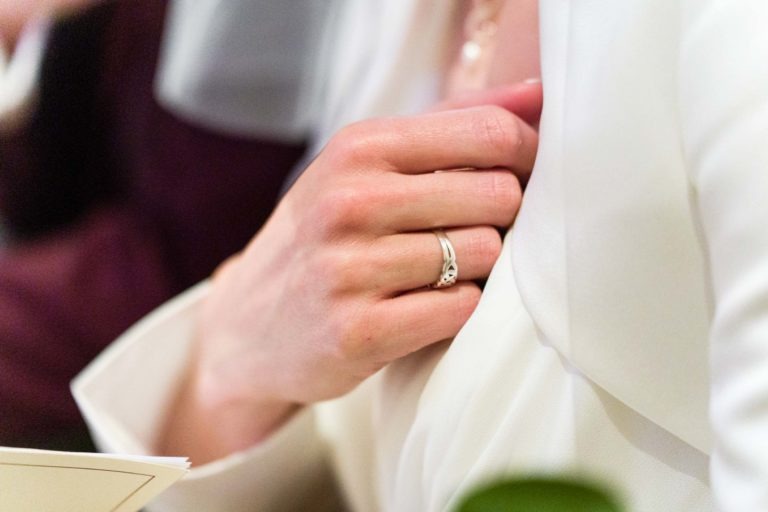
(206, 425)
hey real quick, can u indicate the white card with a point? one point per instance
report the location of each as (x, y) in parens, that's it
(47, 481)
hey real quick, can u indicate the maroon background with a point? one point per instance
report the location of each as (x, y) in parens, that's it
(115, 205)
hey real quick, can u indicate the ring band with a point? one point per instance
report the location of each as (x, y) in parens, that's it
(450, 271)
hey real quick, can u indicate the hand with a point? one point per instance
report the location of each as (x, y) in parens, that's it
(336, 285)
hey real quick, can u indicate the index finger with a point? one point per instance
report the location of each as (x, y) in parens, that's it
(524, 99)
(479, 138)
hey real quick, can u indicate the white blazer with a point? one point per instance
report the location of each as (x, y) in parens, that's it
(642, 248)
(623, 332)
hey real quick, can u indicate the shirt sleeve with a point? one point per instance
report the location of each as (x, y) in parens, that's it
(125, 392)
(724, 101)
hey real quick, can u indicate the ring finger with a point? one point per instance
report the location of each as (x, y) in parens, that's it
(409, 261)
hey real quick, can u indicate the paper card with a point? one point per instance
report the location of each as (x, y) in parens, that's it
(47, 481)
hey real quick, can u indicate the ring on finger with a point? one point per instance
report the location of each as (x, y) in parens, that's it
(449, 273)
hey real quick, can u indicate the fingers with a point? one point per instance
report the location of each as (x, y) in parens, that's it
(394, 203)
(418, 319)
(479, 137)
(459, 198)
(409, 261)
(522, 99)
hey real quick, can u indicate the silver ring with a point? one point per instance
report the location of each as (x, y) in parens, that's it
(450, 271)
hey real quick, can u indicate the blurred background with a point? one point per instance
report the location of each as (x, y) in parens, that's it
(110, 202)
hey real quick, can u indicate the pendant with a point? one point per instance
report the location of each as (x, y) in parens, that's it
(470, 52)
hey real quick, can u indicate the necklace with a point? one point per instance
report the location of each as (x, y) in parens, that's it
(480, 29)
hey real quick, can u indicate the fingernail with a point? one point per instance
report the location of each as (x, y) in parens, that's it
(532, 81)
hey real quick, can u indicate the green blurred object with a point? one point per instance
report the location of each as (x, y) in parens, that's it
(540, 495)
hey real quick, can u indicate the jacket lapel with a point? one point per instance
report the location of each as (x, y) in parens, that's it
(606, 253)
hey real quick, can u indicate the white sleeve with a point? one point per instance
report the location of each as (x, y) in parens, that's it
(125, 392)
(20, 73)
(724, 99)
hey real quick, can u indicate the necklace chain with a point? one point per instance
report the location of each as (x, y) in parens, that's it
(480, 29)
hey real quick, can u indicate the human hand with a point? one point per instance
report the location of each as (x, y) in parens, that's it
(336, 285)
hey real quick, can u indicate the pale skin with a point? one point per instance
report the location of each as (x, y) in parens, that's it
(14, 14)
(336, 284)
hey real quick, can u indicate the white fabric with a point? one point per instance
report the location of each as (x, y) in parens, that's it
(245, 67)
(640, 248)
(134, 432)
(311, 59)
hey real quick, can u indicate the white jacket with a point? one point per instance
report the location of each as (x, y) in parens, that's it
(623, 332)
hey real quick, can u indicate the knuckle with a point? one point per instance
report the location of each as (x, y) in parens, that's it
(354, 339)
(342, 208)
(355, 143)
(336, 268)
(500, 129)
(373, 257)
